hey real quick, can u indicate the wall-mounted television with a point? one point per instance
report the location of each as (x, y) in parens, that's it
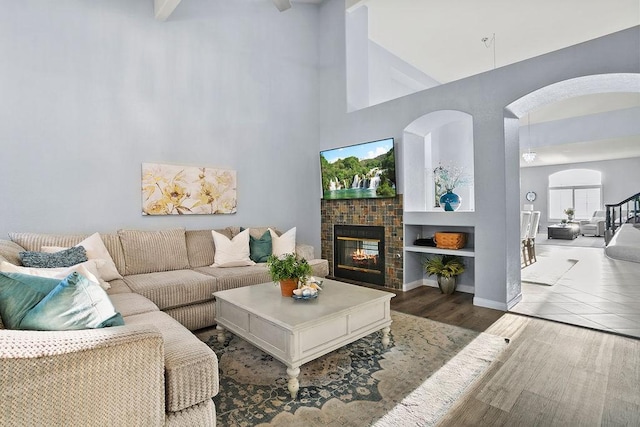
(360, 171)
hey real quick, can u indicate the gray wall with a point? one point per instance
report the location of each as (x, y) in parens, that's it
(91, 89)
(485, 97)
(620, 179)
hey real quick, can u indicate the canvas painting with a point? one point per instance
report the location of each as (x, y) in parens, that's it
(187, 190)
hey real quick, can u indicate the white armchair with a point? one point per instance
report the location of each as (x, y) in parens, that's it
(595, 225)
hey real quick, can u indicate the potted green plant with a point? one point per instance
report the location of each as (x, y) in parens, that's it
(446, 268)
(570, 212)
(289, 270)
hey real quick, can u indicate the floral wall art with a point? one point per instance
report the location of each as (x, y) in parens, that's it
(187, 190)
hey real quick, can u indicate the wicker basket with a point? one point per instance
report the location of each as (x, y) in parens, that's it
(450, 240)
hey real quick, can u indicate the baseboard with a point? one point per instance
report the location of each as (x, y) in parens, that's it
(487, 303)
(514, 301)
(466, 289)
(413, 285)
(433, 284)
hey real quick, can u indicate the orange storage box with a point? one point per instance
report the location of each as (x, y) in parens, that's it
(450, 240)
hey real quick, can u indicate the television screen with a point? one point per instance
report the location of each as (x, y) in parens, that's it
(361, 171)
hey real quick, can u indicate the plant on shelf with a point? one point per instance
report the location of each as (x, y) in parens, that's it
(570, 212)
(446, 179)
(288, 270)
(446, 268)
(450, 177)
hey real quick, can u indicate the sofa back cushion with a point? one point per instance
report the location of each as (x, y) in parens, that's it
(200, 247)
(253, 231)
(35, 242)
(153, 251)
(10, 252)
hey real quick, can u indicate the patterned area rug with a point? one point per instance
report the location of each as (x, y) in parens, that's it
(427, 366)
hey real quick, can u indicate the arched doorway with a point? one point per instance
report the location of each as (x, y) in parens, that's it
(604, 83)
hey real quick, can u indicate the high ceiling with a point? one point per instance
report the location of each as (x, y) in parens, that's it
(449, 40)
(443, 38)
(586, 150)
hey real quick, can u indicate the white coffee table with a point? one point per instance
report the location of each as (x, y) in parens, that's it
(298, 331)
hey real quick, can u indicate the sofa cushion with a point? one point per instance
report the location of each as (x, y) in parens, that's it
(75, 303)
(254, 231)
(118, 286)
(319, 267)
(200, 249)
(35, 241)
(10, 252)
(129, 304)
(191, 367)
(235, 277)
(96, 249)
(195, 316)
(153, 251)
(173, 288)
(63, 258)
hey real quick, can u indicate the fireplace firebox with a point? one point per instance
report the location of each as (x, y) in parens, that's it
(358, 253)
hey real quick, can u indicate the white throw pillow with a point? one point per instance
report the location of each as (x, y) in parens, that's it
(285, 244)
(88, 269)
(95, 250)
(231, 253)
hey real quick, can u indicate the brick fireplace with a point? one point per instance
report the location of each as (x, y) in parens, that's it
(384, 213)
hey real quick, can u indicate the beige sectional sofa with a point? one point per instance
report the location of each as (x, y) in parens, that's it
(152, 370)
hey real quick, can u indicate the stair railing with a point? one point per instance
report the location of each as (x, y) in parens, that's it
(616, 215)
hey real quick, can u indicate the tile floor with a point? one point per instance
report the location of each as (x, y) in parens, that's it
(598, 292)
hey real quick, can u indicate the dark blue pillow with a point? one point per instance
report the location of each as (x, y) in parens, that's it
(64, 258)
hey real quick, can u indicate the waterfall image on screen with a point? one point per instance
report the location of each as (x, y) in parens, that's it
(361, 171)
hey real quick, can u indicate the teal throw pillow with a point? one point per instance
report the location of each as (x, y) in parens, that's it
(64, 258)
(19, 293)
(259, 248)
(76, 303)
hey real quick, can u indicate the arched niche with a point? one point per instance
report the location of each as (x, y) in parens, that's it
(439, 138)
(586, 85)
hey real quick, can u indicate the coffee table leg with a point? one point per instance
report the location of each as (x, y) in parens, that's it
(385, 337)
(221, 336)
(294, 385)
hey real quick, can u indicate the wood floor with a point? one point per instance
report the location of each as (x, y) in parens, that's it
(550, 374)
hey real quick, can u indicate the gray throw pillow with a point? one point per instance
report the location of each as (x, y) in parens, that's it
(64, 258)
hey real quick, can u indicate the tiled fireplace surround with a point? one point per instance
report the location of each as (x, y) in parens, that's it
(380, 212)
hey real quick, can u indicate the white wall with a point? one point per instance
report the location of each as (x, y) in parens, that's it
(620, 179)
(91, 89)
(593, 127)
(374, 74)
(485, 96)
(452, 145)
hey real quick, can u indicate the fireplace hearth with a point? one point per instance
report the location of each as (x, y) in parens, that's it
(359, 253)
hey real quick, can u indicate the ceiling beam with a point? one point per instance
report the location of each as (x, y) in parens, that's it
(164, 8)
(282, 5)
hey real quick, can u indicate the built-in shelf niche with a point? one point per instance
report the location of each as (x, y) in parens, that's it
(440, 138)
